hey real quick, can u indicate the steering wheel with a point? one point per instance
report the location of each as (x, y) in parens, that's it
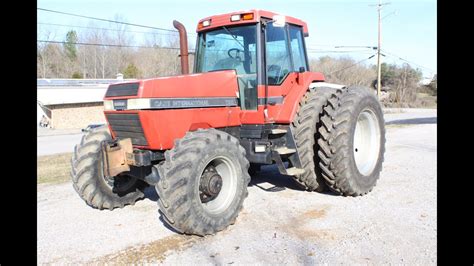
(277, 69)
(237, 53)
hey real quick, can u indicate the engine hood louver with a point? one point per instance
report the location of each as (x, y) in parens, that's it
(124, 89)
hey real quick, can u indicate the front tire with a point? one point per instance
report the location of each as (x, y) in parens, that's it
(88, 178)
(203, 182)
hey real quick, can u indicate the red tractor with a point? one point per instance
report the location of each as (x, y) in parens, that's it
(251, 101)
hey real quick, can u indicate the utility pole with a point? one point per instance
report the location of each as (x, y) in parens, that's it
(379, 65)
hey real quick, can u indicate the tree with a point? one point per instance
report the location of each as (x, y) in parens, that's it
(406, 81)
(131, 71)
(434, 84)
(343, 70)
(70, 45)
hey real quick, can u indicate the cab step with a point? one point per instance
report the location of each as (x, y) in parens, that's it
(277, 131)
(285, 150)
(294, 171)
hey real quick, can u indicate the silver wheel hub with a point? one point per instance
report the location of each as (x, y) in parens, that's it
(218, 184)
(366, 142)
(210, 184)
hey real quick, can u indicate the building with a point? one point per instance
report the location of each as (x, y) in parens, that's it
(71, 103)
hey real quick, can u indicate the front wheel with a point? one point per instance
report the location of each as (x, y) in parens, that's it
(203, 182)
(92, 185)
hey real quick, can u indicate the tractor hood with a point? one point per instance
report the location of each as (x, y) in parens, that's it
(218, 88)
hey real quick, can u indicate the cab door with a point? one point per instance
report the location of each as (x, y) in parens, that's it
(285, 59)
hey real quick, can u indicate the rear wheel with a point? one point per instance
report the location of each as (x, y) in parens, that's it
(304, 126)
(352, 143)
(89, 181)
(203, 182)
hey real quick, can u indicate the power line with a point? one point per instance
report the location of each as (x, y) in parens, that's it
(408, 61)
(106, 20)
(171, 48)
(152, 47)
(356, 46)
(111, 45)
(341, 46)
(310, 50)
(352, 64)
(109, 29)
(149, 27)
(330, 51)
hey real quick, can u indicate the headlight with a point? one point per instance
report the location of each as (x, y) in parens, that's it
(108, 105)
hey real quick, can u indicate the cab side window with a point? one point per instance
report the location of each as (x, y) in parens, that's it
(278, 54)
(297, 48)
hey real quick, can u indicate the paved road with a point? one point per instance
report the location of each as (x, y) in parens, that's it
(395, 223)
(53, 144)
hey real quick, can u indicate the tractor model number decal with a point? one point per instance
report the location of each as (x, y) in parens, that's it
(191, 102)
(120, 104)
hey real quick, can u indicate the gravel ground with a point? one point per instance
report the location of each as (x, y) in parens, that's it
(395, 223)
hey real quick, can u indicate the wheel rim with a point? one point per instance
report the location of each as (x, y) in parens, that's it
(366, 142)
(225, 170)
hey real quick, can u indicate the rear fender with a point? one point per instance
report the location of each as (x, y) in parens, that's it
(291, 101)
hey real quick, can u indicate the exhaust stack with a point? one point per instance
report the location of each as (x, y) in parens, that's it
(183, 46)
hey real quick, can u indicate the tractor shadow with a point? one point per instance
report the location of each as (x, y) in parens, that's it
(414, 121)
(270, 174)
(150, 193)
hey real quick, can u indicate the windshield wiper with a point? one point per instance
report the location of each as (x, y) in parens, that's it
(233, 36)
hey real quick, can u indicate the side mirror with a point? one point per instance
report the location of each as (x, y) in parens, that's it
(300, 77)
(279, 21)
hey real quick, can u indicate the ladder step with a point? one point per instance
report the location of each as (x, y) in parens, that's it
(294, 171)
(278, 131)
(285, 150)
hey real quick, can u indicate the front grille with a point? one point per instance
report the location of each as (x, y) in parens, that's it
(126, 89)
(127, 126)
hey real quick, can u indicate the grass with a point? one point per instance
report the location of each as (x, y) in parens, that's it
(54, 169)
(427, 100)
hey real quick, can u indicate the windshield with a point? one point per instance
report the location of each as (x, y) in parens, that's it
(231, 48)
(227, 48)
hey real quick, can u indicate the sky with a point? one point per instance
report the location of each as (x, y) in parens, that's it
(408, 30)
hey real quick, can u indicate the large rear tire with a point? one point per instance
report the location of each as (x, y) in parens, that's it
(304, 128)
(203, 182)
(88, 178)
(352, 143)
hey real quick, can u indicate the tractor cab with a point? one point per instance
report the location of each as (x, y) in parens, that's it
(262, 47)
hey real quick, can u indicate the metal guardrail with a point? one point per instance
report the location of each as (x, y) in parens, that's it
(77, 82)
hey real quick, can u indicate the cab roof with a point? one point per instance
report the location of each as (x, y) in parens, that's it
(225, 20)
